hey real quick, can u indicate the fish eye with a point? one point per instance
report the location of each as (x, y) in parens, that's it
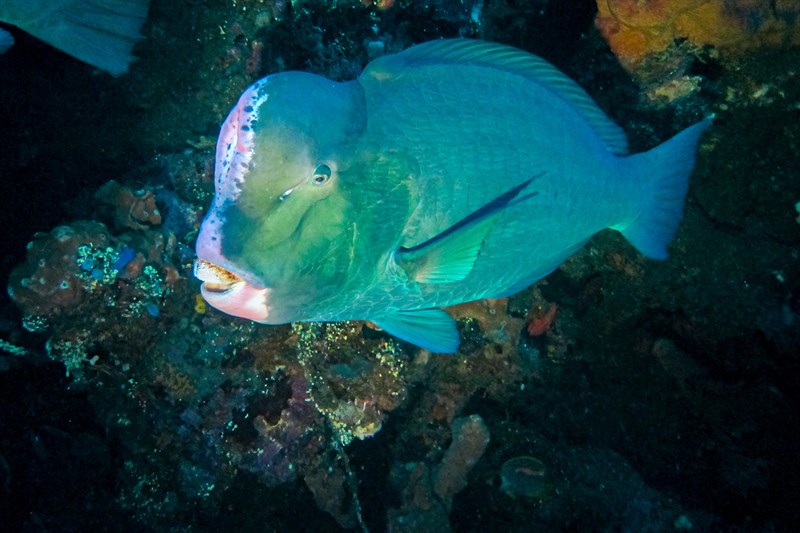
(322, 174)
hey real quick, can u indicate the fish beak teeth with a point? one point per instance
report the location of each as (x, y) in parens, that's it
(214, 277)
(218, 287)
(230, 293)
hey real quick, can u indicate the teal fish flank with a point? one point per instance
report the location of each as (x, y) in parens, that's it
(452, 171)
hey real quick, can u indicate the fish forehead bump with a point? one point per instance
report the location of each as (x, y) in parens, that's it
(283, 112)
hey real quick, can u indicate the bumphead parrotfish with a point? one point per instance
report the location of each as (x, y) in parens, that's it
(452, 171)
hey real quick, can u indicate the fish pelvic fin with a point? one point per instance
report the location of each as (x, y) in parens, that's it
(667, 168)
(432, 329)
(449, 256)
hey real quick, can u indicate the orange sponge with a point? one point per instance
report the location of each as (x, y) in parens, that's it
(637, 28)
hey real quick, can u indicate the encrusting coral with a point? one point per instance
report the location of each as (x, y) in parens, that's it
(636, 29)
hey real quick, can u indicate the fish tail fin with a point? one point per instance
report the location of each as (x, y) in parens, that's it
(667, 168)
(98, 32)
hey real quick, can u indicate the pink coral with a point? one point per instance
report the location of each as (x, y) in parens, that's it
(539, 325)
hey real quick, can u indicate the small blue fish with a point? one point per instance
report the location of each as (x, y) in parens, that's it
(127, 255)
(452, 171)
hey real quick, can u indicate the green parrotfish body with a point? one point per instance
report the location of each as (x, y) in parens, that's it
(452, 171)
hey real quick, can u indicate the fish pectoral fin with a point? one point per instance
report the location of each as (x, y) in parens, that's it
(432, 329)
(450, 255)
(448, 259)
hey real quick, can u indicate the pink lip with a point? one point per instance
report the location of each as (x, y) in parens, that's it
(229, 293)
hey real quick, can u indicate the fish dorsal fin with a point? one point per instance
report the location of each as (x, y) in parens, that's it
(449, 256)
(507, 59)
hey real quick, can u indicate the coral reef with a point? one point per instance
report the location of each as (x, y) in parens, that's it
(636, 29)
(429, 490)
(470, 438)
(664, 43)
(353, 381)
(48, 281)
(130, 209)
(78, 268)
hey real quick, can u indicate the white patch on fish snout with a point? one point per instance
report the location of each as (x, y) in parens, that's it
(236, 143)
(209, 240)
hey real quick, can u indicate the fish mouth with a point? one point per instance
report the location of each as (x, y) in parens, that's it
(232, 294)
(215, 278)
